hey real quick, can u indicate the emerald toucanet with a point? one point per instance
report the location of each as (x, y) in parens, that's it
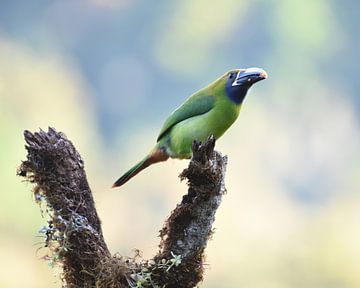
(210, 111)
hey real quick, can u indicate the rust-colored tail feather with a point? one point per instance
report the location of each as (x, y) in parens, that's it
(157, 155)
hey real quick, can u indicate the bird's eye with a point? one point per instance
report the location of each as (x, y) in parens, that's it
(231, 75)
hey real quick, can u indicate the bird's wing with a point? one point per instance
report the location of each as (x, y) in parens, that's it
(196, 105)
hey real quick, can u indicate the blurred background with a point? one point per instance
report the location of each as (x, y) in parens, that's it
(108, 73)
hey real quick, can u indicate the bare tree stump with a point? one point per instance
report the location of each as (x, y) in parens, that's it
(73, 234)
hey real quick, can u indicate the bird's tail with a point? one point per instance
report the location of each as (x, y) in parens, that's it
(156, 155)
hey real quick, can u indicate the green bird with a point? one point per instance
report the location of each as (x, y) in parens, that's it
(209, 111)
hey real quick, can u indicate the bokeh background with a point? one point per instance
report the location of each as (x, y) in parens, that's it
(108, 72)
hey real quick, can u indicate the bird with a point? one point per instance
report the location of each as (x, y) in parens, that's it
(209, 111)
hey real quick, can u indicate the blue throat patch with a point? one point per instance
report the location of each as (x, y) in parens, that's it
(236, 93)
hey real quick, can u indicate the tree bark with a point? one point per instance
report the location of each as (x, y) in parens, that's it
(73, 233)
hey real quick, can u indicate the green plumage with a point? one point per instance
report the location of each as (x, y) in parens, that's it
(197, 104)
(132, 172)
(207, 112)
(210, 111)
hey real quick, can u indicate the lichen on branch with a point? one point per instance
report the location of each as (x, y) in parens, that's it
(73, 233)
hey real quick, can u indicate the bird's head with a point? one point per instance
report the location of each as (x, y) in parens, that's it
(238, 81)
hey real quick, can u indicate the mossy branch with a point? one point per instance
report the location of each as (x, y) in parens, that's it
(74, 236)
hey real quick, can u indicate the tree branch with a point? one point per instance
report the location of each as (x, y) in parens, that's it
(74, 236)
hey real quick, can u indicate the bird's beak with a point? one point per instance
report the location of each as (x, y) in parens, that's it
(250, 76)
